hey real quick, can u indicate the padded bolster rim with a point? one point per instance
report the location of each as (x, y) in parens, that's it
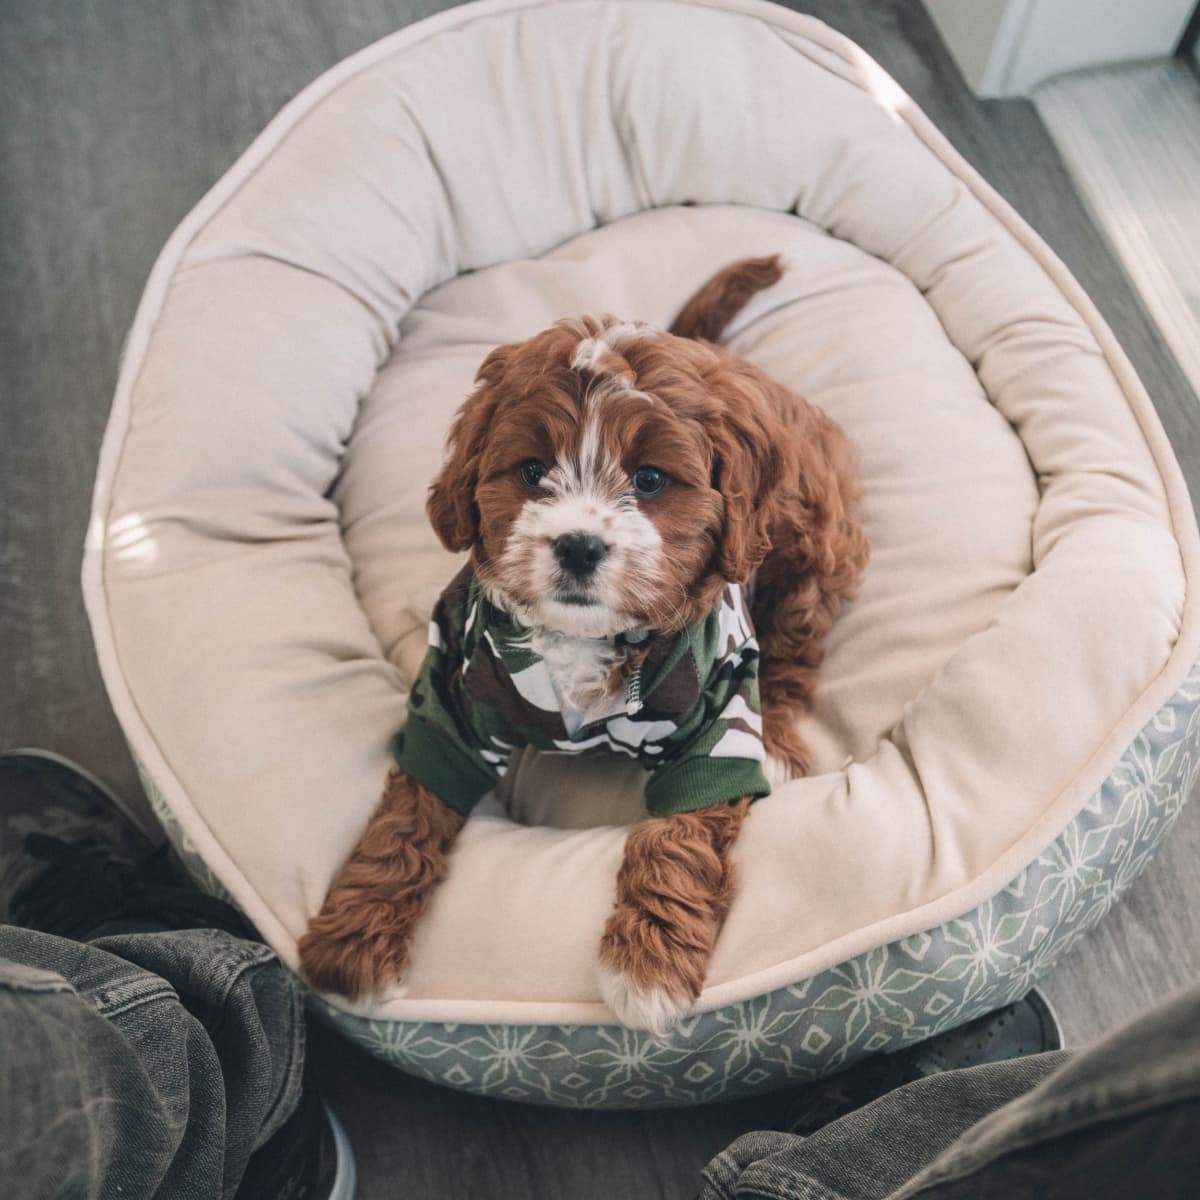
(834, 53)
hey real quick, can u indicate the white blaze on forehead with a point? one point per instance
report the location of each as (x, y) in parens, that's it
(591, 350)
(589, 356)
(589, 471)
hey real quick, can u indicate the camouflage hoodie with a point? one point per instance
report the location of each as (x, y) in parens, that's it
(689, 713)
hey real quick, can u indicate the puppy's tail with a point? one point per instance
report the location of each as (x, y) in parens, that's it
(708, 313)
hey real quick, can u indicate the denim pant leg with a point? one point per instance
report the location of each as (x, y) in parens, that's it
(872, 1152)
(1118, 1120)
(142, 1065)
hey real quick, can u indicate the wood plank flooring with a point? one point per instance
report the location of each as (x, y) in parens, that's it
(115, 117)
(1131, 137)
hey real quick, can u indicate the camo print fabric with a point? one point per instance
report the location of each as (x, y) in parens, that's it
(688, 711)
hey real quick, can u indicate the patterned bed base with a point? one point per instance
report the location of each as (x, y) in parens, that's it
(890, 997)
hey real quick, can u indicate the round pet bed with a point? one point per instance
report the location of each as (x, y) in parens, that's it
(1006, 722)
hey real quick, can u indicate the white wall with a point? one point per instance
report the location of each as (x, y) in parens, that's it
(1008, 52)
(969, 28)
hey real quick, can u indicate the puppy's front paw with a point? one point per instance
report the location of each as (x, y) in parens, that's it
(651, 971)
(358, 943)
(653, 1009)
(346, 955)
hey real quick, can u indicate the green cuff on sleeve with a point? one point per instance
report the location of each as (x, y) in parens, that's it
(439, 762)
(700, 782)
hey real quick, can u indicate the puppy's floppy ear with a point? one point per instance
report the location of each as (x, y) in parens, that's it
(747, 440)
(451, 500)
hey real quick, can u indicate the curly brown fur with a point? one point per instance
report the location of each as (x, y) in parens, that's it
(707, 314)
(797, 528)
(674, 887)
(358, 942)
(817, 557)
(762, 485)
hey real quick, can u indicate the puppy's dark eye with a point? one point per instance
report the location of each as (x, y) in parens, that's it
(533, 471)
(648, 481)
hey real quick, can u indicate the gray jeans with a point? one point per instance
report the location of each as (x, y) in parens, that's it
(1119, 1120)
(144, 1064)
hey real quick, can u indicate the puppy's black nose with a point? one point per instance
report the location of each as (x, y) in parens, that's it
(579, 553)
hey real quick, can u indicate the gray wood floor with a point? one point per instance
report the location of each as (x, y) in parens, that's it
(115, 116)
(1129, 136)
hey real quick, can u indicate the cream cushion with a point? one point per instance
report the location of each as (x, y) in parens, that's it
(260, 572)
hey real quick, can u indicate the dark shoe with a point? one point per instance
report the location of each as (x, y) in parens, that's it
(1027, 1027)
(308, 1159)
(72, 863)
(43, 793)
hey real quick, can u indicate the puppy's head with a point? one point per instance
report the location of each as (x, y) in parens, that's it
(607, 476)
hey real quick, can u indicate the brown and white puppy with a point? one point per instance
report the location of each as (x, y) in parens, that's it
(684, 468)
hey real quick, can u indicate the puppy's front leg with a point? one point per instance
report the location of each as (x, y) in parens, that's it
(358, 942)
(673, 890)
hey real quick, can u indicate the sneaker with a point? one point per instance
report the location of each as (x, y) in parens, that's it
(309, 1158)
(43, 793)
(1027, 1027)
(74, 863)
